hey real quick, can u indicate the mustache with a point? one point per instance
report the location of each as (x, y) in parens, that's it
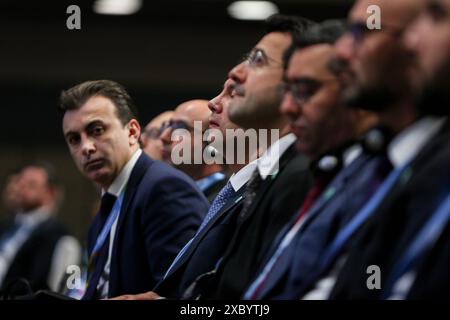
(239, 90)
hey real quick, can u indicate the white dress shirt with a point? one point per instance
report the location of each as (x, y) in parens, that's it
(116, 188)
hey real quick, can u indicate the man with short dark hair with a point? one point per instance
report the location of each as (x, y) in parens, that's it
(35, 246)
(282, 177)
(148, 211)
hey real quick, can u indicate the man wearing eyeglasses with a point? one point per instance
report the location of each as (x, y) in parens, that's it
(407, 238)
(150, 138)
(373, 66)
(281, 179)
(327, 132)
(192, 117)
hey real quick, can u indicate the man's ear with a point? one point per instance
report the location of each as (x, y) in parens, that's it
(134, 131)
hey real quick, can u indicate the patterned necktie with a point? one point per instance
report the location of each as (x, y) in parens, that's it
(250, 193)
(98, 259)
(225, 195)
(222, 197)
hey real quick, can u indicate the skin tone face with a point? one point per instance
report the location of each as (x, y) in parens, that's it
(219, 109)
(33, 189)
(313, 105)
(99, 143)
(377, 60)
(186, 114)
(150, 138)
(428, 38)
(255, 98)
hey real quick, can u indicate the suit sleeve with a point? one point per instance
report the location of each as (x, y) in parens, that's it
(173, 212)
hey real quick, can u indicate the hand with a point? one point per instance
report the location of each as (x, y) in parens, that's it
(142, 296)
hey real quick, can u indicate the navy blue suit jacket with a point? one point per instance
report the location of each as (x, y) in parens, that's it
(205, 250)
(340, 200)
(161, 211)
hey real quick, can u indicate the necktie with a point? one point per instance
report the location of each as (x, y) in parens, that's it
(225, 195)
(427, 236)
(222, 197)
(98, 259)
(281, 255)
(316, 190)
(250, 193)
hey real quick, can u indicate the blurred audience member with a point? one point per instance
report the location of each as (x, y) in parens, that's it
(35, 246)
(208, 177)
(151, 137)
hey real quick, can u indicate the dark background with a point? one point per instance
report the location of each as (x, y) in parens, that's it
(165, 54)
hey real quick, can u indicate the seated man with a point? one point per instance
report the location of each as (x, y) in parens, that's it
(35, 246)
(149, 210)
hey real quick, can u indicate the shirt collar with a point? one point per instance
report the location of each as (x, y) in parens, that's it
(33, 217)
(269, 161)
(122, 179)
(408, 143)
(351, 153)
(240, 178)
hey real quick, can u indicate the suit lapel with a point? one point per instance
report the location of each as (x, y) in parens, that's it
(335, 187)
(265, 186)
(140, 168)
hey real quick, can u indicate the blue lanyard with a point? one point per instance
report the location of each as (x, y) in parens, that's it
(108, 225)
(341, 239)
(424, 240)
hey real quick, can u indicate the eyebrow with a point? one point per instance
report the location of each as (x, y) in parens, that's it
(87, 127)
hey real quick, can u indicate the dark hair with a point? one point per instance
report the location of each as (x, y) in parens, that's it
(75, 97)
(294, 25)
(326, 32)
(48, 168)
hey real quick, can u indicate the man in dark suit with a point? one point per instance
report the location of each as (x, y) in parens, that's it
(281, 178)
(193, 117)
(390, 97)
(149, 210)
(202, 254)
(35, 246)
(414, 263)
(327, 130)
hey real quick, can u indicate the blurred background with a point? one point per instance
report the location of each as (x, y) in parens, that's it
(164, 52)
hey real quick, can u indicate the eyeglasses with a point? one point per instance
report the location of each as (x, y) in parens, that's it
(303, 89)
(258, 58)
(359, 30)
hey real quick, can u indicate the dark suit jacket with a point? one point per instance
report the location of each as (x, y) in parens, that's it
(204, 252)
(34, 258)
(386, 234)
(277, 199)
(161, 211)
(337, 205)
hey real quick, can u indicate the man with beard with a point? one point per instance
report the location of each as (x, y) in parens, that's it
(394, 217)
(419, 268)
